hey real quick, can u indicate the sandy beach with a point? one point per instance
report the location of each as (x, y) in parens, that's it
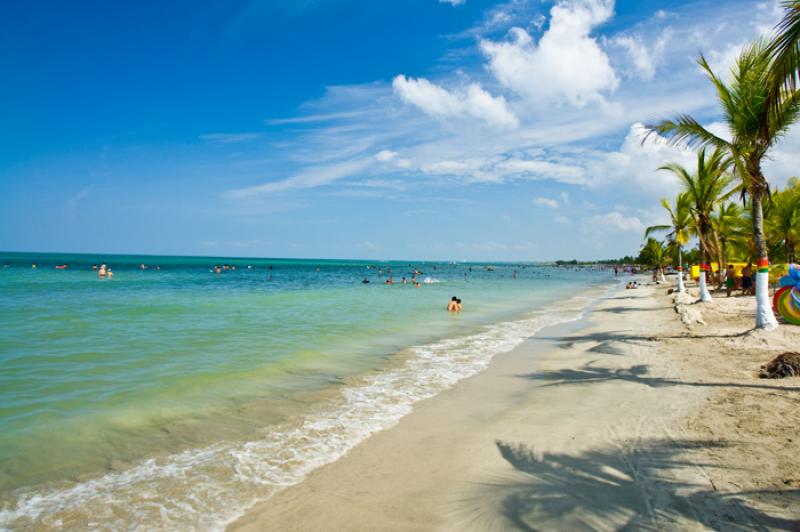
(648, 413)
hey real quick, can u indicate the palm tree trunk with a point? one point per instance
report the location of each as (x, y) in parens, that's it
(723, 267)
(724, 244)
(765, 319)
(680, 271)
(705, 295)
(720, 259)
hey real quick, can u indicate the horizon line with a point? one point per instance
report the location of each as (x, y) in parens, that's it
(4, 252)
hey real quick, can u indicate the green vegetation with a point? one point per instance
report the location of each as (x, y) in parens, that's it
(758, 104)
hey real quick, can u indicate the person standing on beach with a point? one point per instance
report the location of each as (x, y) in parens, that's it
(747, 280)
(730, 279)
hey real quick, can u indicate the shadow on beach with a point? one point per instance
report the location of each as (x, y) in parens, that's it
(623, 309)
(590, 374)
(629, 487)
(624, 337)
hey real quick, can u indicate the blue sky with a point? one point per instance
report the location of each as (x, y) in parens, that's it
(425, 129)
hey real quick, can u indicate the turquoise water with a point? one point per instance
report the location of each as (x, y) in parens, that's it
(116, 392)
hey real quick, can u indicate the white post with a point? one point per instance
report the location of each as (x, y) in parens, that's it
(661, 278)
(765, 319)
(705, 295)
(680, 280)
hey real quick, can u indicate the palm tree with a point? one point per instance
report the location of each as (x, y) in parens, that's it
(754, 130)
(654, 254)
(680, 224)
(783, 222)
(705, 189)
(728, 225)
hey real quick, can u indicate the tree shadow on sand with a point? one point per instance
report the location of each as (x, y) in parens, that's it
(624, 309)
(628, 338)
(650, 484)
(590, 374)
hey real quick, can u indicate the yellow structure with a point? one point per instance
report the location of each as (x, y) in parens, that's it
(776, 271)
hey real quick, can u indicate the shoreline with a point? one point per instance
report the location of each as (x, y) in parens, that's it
(240, 472)
(597, 425)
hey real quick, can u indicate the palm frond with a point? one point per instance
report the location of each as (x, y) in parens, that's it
(685, 130)
(784, 51)
(656, 228)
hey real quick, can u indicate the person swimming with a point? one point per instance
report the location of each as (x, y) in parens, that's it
(365, 281)
(101, 272)
(452, 305)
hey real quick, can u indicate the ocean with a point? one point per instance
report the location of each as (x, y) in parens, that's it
(174, 397)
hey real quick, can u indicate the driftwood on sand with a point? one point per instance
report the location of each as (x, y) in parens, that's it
(784, 365)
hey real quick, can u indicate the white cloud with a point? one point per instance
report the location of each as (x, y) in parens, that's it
(502, 16)
(474, 170)
(720, 129)
(722, 61)
(612, 221)
(386, 156)
(644, 59)
(498, 169)
(548, 202)
(636, 163)
(229, 138)
(452, 2)
(563, 220)
(722, 56)
(768, 15)
(322, 117)
(308, 178)
(441, 103)
(539, 169)
(783, 160)
(566, 65)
